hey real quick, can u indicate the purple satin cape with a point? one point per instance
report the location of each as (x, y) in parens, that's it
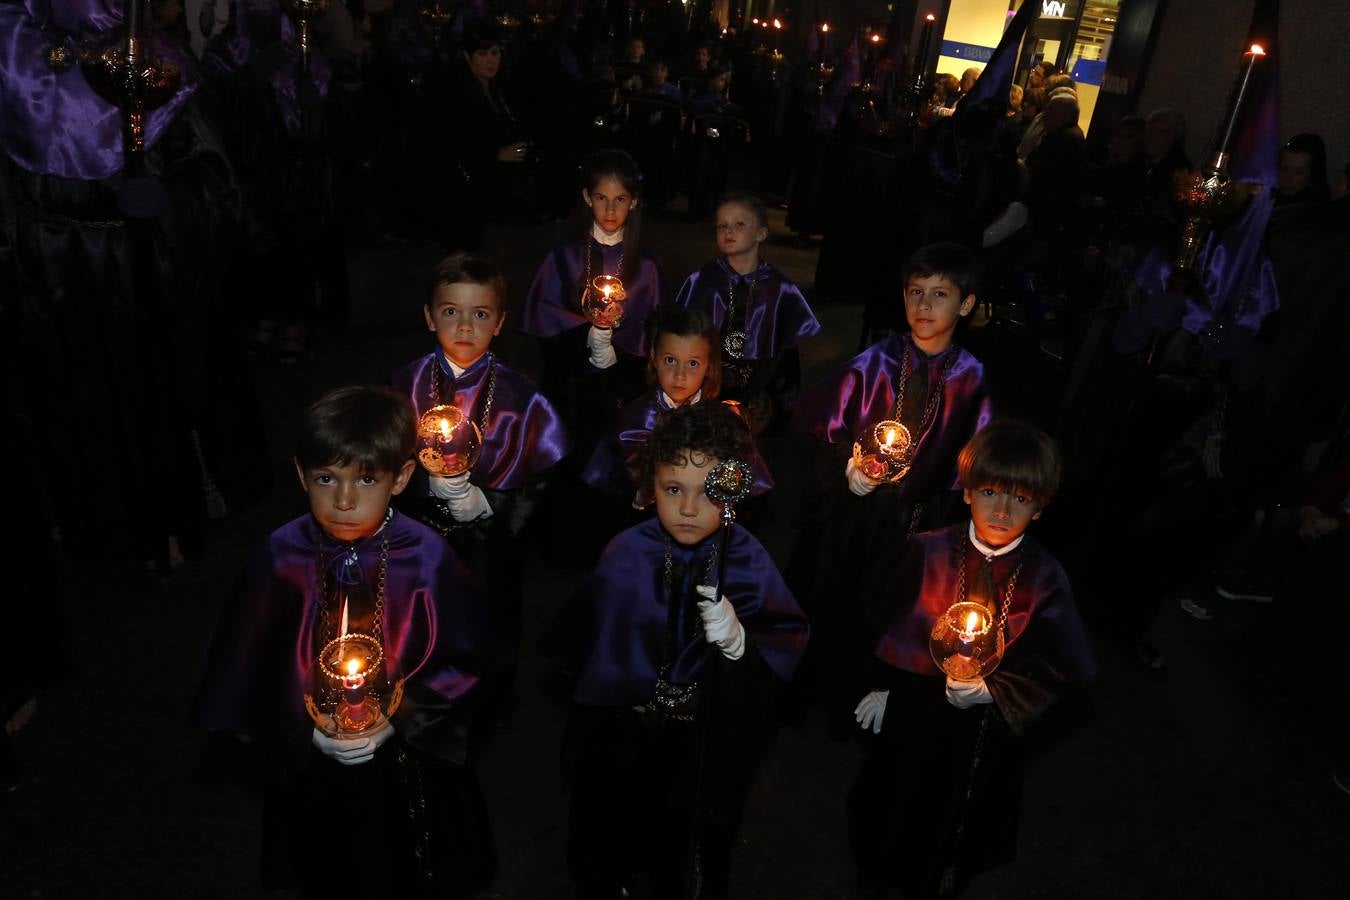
(1236, 277)
(52, 123)
(553, 304)
(778, 317)
(1046, 638)
(611, 633)
(264, 642)
(862, 392)
(524, 435)
(616, 465)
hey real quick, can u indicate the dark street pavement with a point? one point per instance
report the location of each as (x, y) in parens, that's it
(1200, 782)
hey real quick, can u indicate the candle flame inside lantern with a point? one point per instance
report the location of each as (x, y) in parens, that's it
(353, 667)
(931, 18)
(891, 435)
(973, 621)
(825, 26)
(445, 429)
(1258, 50)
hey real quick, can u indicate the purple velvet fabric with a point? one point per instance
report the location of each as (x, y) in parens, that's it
(52, 123)
(524, 436)
(616, 464)
(1046, 640)
(1236, 279)
(862, 392)
(265, 641)
(612, 632)
(777, 317)
(553, 304)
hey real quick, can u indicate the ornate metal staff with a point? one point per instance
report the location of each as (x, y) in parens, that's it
(303, 13)
(728, 483)
(1209, 195)
(121, 72)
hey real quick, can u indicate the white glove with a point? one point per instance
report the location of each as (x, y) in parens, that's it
(600, 341)
(720, 625)
(871, 711)
(858, 482)
(466, 500)
(354, 751)
(965, 694)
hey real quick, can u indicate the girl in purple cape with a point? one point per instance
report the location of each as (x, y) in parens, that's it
(640, 636)
(761, 314)
(410, 813)
(683, 369)
(590, 371)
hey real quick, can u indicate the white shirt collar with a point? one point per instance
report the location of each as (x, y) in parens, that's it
(604, 239)
(668, 403)
(990, 552)
(457, 370)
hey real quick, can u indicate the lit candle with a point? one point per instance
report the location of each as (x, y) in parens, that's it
(891, 435)
(1235, 111)
(973, 627)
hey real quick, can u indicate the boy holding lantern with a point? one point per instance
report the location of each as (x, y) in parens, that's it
(937, 798)
(892, 421)
(356, 604)
(651, 745)
(506, 433)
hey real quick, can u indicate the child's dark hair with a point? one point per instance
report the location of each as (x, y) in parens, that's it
(749, 201)
(616, 164)
(671, 318)
(1011, 456)
(466, 268)
(370, 427)
(956, 262)
(695, 434)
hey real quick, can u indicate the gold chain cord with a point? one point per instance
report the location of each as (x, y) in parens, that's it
(488, 401)
(381, 579)
(1002, 620)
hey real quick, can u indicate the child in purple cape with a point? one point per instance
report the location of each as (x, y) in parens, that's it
(761, 314)
(483, 511)
(589, 370)
(684, 370)
(937, 798)
(938, 391)
(353, 565)
(636, 638)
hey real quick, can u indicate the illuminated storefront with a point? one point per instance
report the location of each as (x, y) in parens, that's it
(1075, 35)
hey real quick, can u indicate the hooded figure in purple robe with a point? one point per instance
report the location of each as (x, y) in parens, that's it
(762, 372)
(107, 276)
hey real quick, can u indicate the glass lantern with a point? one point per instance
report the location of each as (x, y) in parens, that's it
(447, 441)
(966, 641)
(885, 452)
(603, 301)
(351, 689)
